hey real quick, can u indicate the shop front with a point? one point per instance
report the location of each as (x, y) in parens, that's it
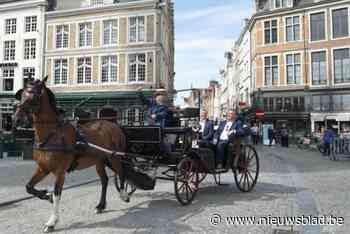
(338, 121)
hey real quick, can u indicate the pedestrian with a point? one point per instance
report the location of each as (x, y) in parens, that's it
(284, 136)
(328, 138)
(271, 135)
(255, 134)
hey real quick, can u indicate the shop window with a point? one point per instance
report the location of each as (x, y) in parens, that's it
(302, 104)
(346, 102)
(279, 105)
(287, 104)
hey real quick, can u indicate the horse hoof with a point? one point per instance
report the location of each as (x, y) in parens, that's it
(49, 229)
(98, 211)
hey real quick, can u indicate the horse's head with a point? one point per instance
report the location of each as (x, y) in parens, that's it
(30, 98)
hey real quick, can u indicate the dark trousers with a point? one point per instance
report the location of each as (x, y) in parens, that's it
(255, 139)
(221, 151)
(271, 140)
(327, 149)
(284, 141)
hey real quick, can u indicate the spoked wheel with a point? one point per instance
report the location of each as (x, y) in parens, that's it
(246, 168)
(217, 178)
(186, 181)
(201, 177)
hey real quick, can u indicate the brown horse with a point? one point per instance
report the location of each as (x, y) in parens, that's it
(55, 152)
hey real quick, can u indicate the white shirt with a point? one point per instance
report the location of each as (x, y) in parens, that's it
(226, 132)
(202, 124)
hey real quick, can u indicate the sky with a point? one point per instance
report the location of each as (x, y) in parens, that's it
(204, 30)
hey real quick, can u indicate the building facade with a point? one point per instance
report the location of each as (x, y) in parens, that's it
(21, 50)
(242, 66)
(101, 52)
(300, 55)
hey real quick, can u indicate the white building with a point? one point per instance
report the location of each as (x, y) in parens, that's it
(243, 75)
(21, 50)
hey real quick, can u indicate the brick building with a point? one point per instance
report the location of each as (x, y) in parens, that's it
(300, 52)
(103, 51)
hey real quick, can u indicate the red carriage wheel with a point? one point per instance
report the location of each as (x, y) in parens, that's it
(186, 181)
(246, 168)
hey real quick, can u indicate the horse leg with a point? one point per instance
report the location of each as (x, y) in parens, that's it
(100, 168)
(53, 220)
(38, 176)
(119, 170)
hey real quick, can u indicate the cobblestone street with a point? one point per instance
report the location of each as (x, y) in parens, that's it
(291, 183)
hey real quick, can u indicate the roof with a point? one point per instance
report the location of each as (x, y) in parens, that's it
(263, 6)
(76, 4)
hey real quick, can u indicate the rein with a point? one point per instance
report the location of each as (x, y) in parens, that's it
(46, 146)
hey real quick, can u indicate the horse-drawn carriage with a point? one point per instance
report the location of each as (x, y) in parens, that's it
(186, 165)
(134, 154)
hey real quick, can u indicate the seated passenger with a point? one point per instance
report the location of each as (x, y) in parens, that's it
(226, 131)
(206, 131)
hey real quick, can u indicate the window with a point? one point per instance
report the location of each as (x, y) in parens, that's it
(137, 68)
(287, 104)
(96, 2)
(318, 26)
(282, 3)
(293, 65)
(31, 24)
(10, 26)
(346, 102)
(137, 29)
(28, 72)
(279, 105)
(318, 68)
(110, 32)
(271, 70)
(84, 70)
(340, 22)
(10, 50)
(61, 71)
(62, 36)
(270, 29)
(293, 28)
(109, 69)
(29, 48)
(135, 116)
(85, 34)
(8, 77)
(341, 66)
(321, 103)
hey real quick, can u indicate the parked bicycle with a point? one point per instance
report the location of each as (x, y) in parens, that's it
(308, 142)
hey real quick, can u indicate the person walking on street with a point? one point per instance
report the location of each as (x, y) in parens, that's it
(328, 138)
(284, 136)
(255, 134)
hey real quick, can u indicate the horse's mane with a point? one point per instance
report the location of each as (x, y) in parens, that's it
(52, 100)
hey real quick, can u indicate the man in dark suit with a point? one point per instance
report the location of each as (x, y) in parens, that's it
(226, 131)
(158, 111)
(206, 130)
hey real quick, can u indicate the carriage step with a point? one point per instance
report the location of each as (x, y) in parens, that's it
(172, 166)
(219, 171)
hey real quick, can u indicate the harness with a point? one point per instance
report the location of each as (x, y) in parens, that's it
(62, 146)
